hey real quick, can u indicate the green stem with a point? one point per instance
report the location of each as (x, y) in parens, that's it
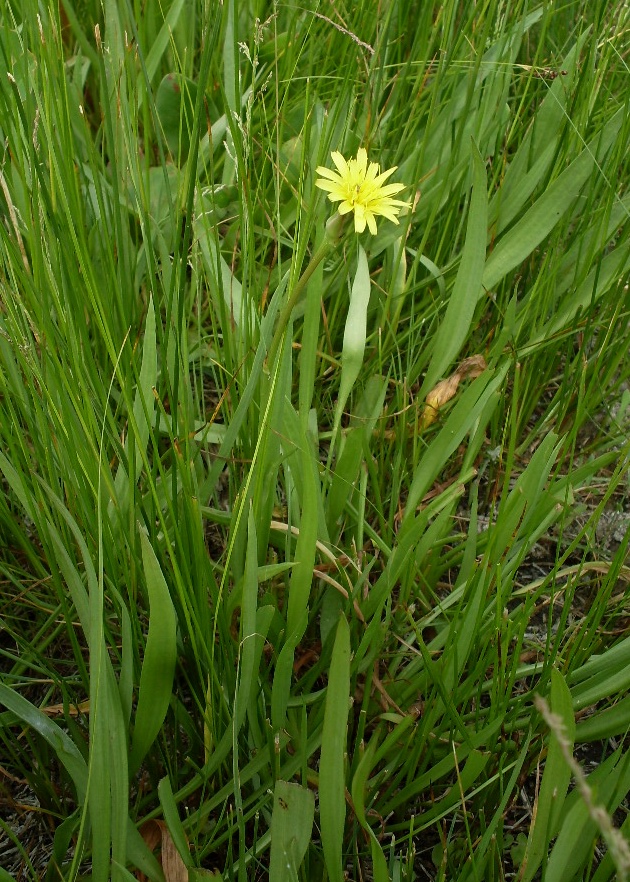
(333, 234)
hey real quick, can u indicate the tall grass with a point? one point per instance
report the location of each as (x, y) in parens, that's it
(295, 599)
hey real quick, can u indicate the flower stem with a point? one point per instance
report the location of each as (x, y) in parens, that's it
(334, 228)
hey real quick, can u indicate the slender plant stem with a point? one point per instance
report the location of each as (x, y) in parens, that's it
(334, 229)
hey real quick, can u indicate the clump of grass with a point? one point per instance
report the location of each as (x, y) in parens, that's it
(297, 522)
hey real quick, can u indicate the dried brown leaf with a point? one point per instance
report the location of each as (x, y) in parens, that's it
(468, 369)
(155, 833)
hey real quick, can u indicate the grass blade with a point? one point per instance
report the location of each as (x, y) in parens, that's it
(67, 751)
(291, 825)
(160, 655)
(455, 327)
(554, 785)
(332, 777)
(519, 242)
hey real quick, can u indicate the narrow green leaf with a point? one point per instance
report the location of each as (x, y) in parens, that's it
(601, 665)
(247, 394)
(231, 82)
(140, 856)
(16, 484)
(291, 826)
(161, 42)
(359, 781)
(72, 578)
(173, 822)
(239, 310)
(114, 38)
(174, 104)
(144, 401)
(230, 63)
(118, 757)
(302, 573)
(418, 536)
(143, 407)
(462, 638)
(521, 239)
(605, 679)
(446, 766)
(247, 671)
(281, 689)
(468, 775)
(497, 820)
(67, 751)
(460, 421)
(158, 667)
(555, 782)
(522, 503)
(355, 333)
(535, 153)
(357, 438)
(65, 833)
(332, 804)
(126, 674)
(604, 724)
(609, 271)
(609, 784)
(305, 456)
(455, 327)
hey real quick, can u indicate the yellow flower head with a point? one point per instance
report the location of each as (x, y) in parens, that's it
(359, 188)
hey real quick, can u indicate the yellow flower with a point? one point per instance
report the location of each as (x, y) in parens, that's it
(359, 188)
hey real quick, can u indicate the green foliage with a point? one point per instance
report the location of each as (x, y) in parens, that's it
(253, 584)
(291, 824)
